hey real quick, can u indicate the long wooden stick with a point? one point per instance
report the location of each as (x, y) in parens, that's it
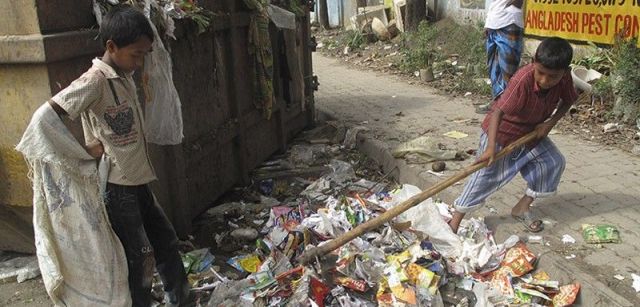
(312, 253)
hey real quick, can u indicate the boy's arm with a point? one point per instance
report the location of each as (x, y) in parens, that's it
(568, 97)
(59, 110)
(492, 134)
(95, 149)
(543, 129)
(516, 3)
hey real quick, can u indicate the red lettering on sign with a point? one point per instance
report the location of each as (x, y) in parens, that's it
(629, 25)
(607, 17)
(553, 21)
(585, 22)
(593, 23)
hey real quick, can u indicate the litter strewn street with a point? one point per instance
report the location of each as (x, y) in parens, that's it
(320, 189)
(338, 153)
(599, 185)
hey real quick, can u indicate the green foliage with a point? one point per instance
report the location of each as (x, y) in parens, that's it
(600, 59)
(603, 88)
(350, 38)
(470, 46)
(468, 83)
(419, 48)
(469, 43)
(353, 39)
(626, 79)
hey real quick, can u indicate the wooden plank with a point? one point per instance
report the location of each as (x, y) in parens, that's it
(224, 22)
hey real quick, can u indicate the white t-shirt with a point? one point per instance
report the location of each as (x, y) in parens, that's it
(499, 16)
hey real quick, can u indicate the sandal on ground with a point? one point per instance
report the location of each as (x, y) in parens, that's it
(529, 221)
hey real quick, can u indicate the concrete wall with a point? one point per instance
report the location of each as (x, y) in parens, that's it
(38, 56)
(462, 11)
(20, 17)
(341, 11)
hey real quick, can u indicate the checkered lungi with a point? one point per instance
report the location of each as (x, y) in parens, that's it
(541, 167)
(504, 49)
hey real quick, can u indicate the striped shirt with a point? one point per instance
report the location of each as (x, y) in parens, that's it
(110, 112)
(525, 105)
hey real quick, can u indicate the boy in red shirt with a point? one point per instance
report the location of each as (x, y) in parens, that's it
(528, 104)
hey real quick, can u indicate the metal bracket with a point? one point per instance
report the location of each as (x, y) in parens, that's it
(313, 43)
(311, 82)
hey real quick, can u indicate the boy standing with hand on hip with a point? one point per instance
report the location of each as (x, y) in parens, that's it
(106, 100)
(528, 104)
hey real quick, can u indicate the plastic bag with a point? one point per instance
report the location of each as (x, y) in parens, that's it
(24, 268)
(352, 136)
(423, 150)
(197, 261)
(163, 111)
(567, 295)
(282, 18)
(426, 218)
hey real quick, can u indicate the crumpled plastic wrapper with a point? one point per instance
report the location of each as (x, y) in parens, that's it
(424, 150)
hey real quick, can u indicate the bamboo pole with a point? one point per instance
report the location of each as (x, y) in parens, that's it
(315, 252)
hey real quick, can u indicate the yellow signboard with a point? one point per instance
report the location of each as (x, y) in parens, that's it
(586, 20)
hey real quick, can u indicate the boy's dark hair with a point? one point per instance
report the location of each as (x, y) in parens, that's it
(124, 25)
(554, 53)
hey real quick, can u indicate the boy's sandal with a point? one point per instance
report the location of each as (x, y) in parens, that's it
(529, 221)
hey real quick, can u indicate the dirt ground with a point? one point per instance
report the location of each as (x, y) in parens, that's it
(30, 293)
(452, 74)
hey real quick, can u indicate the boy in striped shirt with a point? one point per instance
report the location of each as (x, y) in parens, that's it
(528, 104)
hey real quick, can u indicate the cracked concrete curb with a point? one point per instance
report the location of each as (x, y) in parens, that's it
(592, 291)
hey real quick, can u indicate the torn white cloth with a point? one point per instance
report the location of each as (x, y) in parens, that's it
(81, 259)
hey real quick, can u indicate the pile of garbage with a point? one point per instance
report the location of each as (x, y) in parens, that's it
(415, 260)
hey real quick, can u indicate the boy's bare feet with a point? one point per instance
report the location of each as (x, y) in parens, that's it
(455, 221)
(523, 205)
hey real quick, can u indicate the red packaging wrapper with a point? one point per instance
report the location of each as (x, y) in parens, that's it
(358, 285)
(502, 282)
(518, 250)
(518, 266)
(385, 299)
(319, 291)
(567, 295)
(286, 277)
(291, 225)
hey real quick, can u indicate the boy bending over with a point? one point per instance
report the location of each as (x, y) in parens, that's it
(528, 104)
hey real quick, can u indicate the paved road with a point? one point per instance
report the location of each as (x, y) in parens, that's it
(600, 185)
